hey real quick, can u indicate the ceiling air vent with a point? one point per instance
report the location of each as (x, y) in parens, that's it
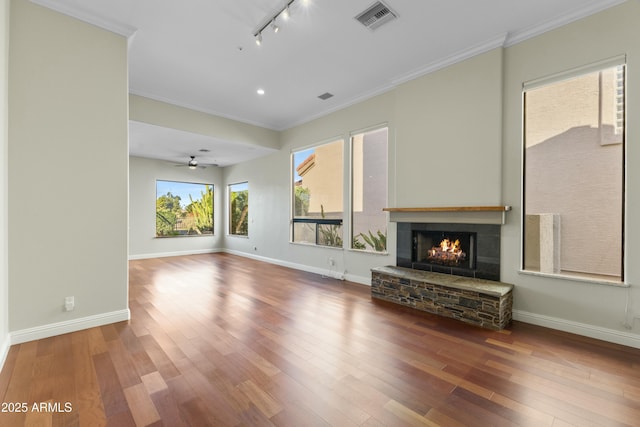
(376, 15)
(325, 96)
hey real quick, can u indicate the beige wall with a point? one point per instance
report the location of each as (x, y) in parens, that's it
(449, 135)
(68, 155)
(4, 206)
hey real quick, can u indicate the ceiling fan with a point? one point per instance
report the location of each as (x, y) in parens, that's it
(193, 164)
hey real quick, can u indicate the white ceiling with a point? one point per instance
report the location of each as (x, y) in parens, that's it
(202, 55)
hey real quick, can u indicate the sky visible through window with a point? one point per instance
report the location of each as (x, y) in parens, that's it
(181, 189)
(241, 186)
(299, 157)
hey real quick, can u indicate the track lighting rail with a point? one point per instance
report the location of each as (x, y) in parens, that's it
(283, 12)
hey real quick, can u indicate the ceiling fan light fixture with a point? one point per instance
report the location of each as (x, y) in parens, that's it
(193, 163)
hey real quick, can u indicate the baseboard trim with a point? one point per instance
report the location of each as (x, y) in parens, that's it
(175, 253)
(604, 334)
(4, 350)
(302, 267)
(53, 329)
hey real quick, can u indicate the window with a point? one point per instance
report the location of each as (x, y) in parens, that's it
(317, 195)
(239, 209)
(183, 209)
(574, 175)
(369, 190)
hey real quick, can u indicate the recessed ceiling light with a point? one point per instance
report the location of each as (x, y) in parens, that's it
(260, 91)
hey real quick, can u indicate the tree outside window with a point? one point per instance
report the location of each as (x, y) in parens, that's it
(183, 209)
(239, 209)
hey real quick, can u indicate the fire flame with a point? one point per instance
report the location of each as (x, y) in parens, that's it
(447, 246)
(448, 252)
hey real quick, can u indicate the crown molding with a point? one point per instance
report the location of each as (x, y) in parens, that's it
(591, 8)
(90, 18)
(459, 56)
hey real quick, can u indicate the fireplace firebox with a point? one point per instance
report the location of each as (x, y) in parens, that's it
(443, 248)
(470, 250)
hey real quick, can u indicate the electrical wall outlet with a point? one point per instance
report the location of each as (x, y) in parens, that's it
(332, 262)
(69, 303)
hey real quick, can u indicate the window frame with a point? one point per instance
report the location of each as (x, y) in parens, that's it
(556, 78)
(205, 186)
(352, 135)
(318, 222)
(230, 191)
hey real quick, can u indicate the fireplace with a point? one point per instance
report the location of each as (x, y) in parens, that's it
(443, 248)
(470, 250)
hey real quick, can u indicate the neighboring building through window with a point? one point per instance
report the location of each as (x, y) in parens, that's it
(183, 209)
(239, 209)
(369, 190)
(318, 195)
(574, 175)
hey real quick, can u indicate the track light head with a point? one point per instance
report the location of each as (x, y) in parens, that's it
(259, 39)
(274, 27)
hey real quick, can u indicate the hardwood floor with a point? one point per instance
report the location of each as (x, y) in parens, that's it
(222, 340)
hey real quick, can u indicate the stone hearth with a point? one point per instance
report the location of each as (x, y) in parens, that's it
(483, 303)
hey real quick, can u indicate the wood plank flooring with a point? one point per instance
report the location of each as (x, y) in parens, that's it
(221, 340)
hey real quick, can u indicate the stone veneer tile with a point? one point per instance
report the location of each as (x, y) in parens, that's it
(478, 302)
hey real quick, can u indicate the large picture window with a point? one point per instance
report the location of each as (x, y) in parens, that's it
(574, 153)
(318, 195)
(369, 190)
(183, 209)
(239, 209)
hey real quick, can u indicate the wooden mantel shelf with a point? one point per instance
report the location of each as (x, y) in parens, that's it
(457, 214)
(452, 209)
